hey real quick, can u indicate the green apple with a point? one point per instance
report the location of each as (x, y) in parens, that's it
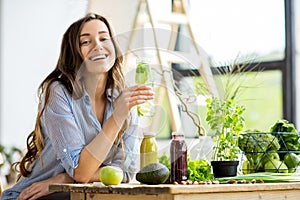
(246, 168)
(276, 166)
(292, 161)
(110, 175)
(271, 155)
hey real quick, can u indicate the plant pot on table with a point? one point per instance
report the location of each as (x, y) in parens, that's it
(224, 168)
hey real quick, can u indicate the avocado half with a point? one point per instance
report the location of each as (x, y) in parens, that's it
(154, 173)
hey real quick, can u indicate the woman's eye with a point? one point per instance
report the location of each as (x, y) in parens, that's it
(104, 39)
(85, 42)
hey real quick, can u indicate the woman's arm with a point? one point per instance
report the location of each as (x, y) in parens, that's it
(128, 152)
(41, 188)
(93, 155)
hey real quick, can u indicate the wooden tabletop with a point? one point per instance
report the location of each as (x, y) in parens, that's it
(171, 189)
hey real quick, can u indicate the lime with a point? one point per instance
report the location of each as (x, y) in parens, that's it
(145, 109)
(142, 73)
(110, 175)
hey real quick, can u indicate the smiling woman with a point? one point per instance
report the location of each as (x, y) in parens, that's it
(85, 118)
(97, 46)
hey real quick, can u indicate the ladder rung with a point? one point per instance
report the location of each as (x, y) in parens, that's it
(174, 18)
(182, 58)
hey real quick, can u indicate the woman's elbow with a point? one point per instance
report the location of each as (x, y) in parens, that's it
(81, 179)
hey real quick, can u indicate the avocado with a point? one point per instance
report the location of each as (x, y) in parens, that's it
(154, 173)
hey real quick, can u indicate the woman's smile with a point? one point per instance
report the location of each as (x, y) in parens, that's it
(99, 57)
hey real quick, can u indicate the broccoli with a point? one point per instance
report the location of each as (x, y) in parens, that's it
(256, 145)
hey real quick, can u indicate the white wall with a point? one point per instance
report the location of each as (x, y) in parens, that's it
(31, 33)
(30, 37)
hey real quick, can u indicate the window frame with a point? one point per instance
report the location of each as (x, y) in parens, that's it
(286, 66)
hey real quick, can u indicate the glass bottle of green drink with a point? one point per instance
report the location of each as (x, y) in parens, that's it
(148, 149)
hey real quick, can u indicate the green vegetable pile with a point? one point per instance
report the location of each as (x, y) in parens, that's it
(255, 146)
(275, 151)
(289, 138)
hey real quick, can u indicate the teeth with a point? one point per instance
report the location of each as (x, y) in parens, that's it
(98, 57)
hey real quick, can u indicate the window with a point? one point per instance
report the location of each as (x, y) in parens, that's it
(255, 29)
(231, 27)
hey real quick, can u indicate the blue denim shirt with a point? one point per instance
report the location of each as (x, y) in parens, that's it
(68, 125)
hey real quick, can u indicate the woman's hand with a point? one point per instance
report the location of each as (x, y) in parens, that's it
(129, 98)
(41, 188)
(36, 190)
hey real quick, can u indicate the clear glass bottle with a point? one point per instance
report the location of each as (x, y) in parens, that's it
(148, 149)
(143, 76)
(178, 158)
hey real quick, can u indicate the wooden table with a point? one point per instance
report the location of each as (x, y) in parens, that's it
(268, 191)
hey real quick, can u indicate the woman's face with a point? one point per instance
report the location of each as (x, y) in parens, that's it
(96, 46)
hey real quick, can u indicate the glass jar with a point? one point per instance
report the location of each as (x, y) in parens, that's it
(178, 158)
(148, 149)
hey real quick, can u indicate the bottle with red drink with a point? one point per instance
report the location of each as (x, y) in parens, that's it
(178, 158)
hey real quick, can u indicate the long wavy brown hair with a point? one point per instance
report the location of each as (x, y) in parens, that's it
(67, 67)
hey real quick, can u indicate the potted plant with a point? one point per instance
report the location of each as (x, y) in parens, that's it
(9, 156)
(226, 119)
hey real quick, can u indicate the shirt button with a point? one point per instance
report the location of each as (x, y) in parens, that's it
(86, 99)
(65, 150)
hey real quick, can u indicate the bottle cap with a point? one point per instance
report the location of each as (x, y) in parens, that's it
(149, 134)
(177, 133)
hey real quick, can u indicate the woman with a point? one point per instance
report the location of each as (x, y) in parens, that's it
(85, 117)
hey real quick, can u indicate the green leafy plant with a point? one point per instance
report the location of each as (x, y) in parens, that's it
(9, 156)
(224, 114)
(165, 160)
(199, 170)
(226, 119)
